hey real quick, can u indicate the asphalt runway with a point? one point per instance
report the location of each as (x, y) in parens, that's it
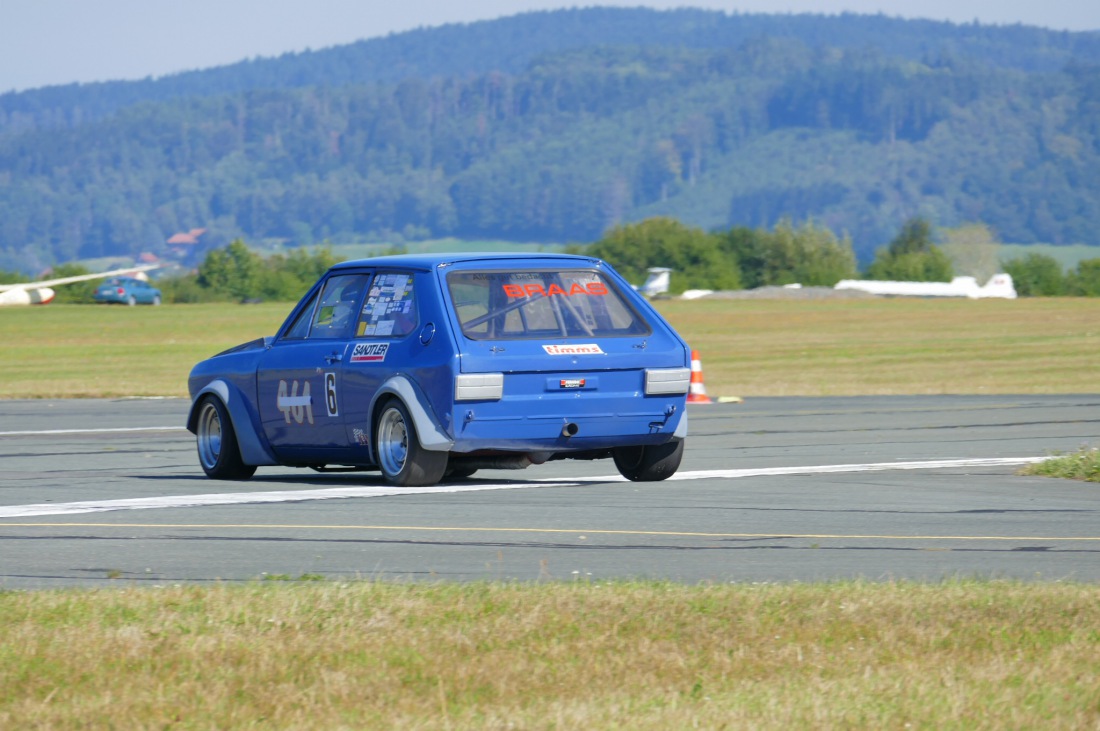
(109, 493)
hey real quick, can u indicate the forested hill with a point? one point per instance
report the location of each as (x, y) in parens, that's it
(555, 125)
(509, 44)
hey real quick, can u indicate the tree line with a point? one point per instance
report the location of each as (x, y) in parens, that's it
(812, 255)
(570, 144)
(737, 258)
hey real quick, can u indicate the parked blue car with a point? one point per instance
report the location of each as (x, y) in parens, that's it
(432, 367)
(127, 291)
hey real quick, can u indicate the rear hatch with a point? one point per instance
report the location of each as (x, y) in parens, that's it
(571, 345)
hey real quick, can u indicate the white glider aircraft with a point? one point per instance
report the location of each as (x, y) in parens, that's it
(999, 285)
(41, 292)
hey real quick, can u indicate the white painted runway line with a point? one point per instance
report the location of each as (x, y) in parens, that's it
(116, 430)
(339, 493)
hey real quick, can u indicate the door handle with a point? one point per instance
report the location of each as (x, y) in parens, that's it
(334, 358)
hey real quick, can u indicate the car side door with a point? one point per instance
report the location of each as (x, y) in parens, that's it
(299, 380)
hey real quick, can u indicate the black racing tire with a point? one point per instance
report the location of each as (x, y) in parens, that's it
(219, 453)
(403, 461)
(649, 464)
(458, 472)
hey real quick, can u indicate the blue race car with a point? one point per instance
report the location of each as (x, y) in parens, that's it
(127, 291)
(432, 367)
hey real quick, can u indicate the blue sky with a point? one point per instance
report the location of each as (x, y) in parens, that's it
(47, 42)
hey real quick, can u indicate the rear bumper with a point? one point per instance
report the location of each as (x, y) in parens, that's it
(521, 427)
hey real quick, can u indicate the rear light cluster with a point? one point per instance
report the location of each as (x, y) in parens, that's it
(667, 381)
(479, 387)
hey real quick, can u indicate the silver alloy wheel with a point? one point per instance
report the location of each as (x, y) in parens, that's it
(393, 441)
(209, 435)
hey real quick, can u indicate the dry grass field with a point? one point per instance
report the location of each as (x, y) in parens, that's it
(748, 347)
(366, 655)
(893, 346)
(959, 655)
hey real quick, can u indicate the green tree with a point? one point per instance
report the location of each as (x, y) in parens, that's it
(1036, 275)
(286, 278)
(1084, 280)
(912, 257)
(747, 247)
(233, 271)
(809, 254)
(695, 256)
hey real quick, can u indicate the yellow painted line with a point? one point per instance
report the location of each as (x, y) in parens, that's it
(572, 531)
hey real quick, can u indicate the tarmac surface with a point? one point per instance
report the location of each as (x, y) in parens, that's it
(109, 493)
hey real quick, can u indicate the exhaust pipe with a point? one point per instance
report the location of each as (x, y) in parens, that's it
(570, 430)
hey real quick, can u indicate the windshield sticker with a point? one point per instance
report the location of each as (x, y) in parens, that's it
(587, 349)
(369, 352)
(293, 405)
(530, 290)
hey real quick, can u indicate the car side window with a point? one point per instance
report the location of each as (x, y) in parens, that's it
(389, 310)
(339, 303)
(300, 328)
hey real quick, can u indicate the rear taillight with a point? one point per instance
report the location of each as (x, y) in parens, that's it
(660, 381)
(479, 387)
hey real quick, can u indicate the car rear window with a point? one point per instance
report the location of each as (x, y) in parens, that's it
(508, 305)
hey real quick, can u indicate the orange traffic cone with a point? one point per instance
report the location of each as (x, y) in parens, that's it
(697, 394)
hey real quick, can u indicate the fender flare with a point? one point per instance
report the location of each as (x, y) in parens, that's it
(253, 446)
(429, 431)
(682, 428)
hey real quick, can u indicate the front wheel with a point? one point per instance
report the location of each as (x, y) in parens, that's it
(649, 464)
(219, 454)
(403, 461)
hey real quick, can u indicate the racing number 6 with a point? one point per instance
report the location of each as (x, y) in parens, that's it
(330, 394)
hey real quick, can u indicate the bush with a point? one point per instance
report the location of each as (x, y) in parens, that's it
(1084, 281)
(1082, 465)
(809, 255)
(236, 273)
(185, 289)
(1036, 275)
(74, 292)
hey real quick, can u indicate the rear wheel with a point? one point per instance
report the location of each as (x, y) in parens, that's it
(131, 300)
(219, 454)
(459, 472)
(402, 460)
(649, 464)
